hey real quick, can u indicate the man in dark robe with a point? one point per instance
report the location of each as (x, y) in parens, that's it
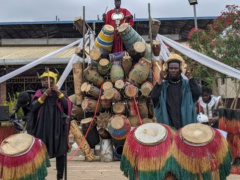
(46, 120)
(174, 97)
(115, 17)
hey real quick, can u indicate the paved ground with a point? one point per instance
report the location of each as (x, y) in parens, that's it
(96, 170)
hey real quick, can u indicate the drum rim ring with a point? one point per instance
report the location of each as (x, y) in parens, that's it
(21, 154)
(152, 144)
(199, 144)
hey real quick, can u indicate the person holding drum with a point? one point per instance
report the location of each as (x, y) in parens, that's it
(46, 120)
(115, 17)
(174, 97)
(208, 105)
(24, 102)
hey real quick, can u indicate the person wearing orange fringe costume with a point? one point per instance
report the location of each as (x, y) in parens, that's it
(115, 17)
(46, 119)
(174, 97)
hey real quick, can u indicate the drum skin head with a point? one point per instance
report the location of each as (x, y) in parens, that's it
(95, 54)
(156, 43)
(86, 121)
(139, 47)
(85, 104)
(16, 144)
(107, 85)
(119, 84)
(128, 91)
(123, 27)
(108, 28)
(117, 122)
(150, 134)
(109, 93)
(197, 134)
(118, 107)
(104, 62)
(84, 86)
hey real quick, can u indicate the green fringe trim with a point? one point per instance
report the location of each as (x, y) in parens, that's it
(131, 172)
(180, 173)
(41, 172)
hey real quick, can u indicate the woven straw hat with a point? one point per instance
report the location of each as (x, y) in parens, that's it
(175, 57)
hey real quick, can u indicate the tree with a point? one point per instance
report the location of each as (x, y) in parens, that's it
(220, 41)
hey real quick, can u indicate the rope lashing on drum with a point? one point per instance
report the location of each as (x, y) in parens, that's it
(135, 102)
(95, 113)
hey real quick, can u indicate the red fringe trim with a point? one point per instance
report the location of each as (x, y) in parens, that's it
(235, 169)
(199, 151)
(143, 151)
(234, 144)
(232, 126)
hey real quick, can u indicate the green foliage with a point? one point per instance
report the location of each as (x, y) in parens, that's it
(11, 103)
(220, 41)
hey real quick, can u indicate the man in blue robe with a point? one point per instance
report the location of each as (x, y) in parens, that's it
(174, 97)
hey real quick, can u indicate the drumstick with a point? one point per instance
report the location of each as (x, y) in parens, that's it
(106, 9)
(48, 78)
(158, 66)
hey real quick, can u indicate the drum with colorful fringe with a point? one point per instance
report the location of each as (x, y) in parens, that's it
(119, 127)
(146, 151)
(200, 152)
(105, 38)
(229, 120)
(23, 157)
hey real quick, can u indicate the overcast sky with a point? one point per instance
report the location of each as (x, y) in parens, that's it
(67, 10)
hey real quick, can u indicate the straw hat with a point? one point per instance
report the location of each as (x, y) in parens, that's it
(175, 57)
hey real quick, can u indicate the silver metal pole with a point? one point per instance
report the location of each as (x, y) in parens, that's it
(195, 16)
(150, 28)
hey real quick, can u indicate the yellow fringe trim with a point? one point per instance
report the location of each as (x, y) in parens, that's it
(192, 164)
(145, 164)
(27, 168)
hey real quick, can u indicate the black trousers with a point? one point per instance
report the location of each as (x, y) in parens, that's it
(60, 166)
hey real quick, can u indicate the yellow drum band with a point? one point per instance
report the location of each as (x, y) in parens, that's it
(104, 39)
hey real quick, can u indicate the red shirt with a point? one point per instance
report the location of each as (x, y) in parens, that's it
(117, 41)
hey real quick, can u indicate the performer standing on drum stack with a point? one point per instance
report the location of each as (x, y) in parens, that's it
(174, 97)
(115, 17)
(208, 105)
(46, 119)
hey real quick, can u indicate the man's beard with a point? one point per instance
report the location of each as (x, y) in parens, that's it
(174, 78)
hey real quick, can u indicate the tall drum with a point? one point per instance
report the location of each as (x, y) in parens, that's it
(23, 157)
(200, 152)
(119, 127)
(93, 137)
(146, 151)
(105, 38)
(130, 36)
(139, 74)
